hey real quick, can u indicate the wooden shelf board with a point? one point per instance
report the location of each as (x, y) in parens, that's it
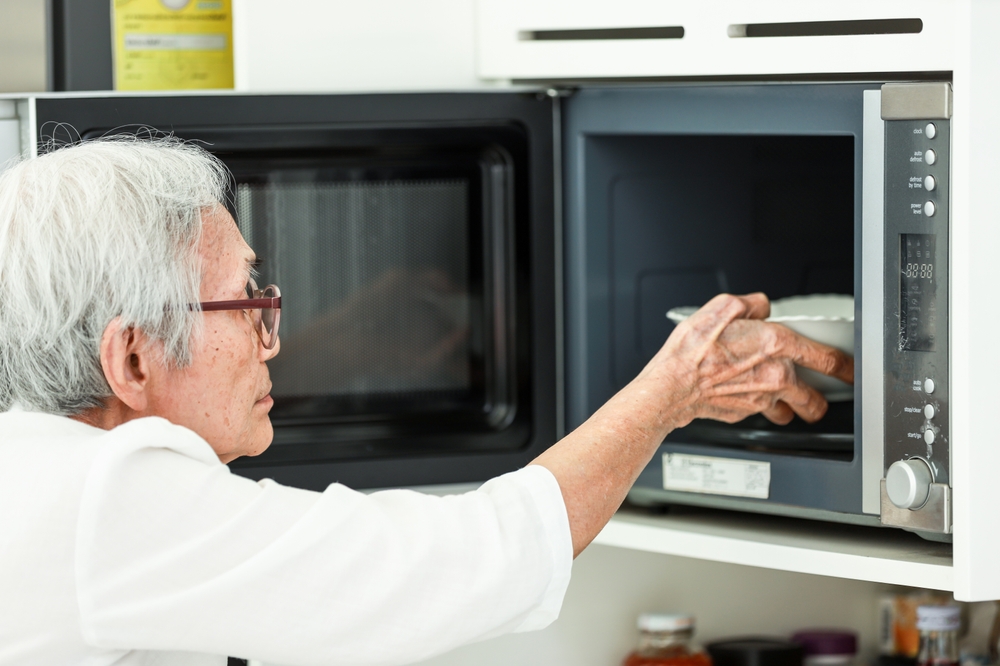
(787, 544)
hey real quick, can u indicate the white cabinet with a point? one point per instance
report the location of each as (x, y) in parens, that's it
(314, 45)
(975, 315)
(552, 42)
(809, 547)
(449, 44)
(560, 40)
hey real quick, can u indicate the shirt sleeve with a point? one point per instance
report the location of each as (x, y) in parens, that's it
(176, 553)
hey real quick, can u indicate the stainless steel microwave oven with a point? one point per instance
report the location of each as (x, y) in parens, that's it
(676, 193)
(467, 276)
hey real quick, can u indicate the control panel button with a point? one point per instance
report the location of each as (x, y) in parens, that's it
(930, 157)
(929, 436)
(930, 209)
(908, 482)
(930, 131)
(928, 386)
(930, 183)
(929, 412)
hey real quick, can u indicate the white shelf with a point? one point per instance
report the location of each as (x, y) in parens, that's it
(812, 547)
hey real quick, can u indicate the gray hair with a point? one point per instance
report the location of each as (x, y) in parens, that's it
(103, 229)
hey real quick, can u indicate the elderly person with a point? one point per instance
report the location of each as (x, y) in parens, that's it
(128, 377)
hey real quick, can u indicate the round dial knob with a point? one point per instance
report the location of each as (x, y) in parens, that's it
(908, 483)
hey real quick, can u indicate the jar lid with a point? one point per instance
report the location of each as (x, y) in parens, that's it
(666, 621)
(755, 651)
(826, 641)
(938, 618)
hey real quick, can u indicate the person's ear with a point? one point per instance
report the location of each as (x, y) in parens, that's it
(126, 360)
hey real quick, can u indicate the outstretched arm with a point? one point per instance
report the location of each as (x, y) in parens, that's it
(723, 363)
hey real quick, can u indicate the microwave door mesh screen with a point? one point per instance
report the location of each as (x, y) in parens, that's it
(377, 282)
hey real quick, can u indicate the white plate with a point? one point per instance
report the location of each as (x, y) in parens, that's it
(825, 318)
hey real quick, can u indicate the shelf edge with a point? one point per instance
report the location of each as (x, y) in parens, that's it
(668, 541)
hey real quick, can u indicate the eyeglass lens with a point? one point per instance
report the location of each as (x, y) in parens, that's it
(265, 320)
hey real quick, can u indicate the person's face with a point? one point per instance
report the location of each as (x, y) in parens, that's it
(224, 394)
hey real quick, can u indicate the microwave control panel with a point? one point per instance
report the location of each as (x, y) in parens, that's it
(916, 486)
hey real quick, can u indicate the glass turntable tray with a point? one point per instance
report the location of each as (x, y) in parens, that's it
(834, 433)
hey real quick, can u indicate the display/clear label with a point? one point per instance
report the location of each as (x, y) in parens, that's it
(716, 476)
(917, 292)
(173, 44)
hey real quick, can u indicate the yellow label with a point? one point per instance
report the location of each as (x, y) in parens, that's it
(173, 44)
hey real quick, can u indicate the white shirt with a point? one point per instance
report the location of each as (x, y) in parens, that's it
(137, 546)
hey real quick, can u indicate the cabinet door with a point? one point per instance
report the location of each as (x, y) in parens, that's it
(974, 307)
(521, 39)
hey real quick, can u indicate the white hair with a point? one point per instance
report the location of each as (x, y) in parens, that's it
(102, 229)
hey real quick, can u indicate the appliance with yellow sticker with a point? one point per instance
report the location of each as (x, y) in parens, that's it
(172, 44)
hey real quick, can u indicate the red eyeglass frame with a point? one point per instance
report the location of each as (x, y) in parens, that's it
(258, 303)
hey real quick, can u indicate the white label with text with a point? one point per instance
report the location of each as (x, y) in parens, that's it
(716, 476)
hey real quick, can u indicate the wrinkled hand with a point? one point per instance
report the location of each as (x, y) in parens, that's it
(734, 364)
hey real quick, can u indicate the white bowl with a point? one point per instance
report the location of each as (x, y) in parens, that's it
(825, 318)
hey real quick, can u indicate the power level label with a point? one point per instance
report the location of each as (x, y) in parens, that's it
(716, 476)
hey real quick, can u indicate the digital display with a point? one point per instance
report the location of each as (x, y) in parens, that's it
(917, 293)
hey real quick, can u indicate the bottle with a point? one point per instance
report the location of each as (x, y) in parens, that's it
(938, 627)
(827, 647)
(665, 640)
(898, 633)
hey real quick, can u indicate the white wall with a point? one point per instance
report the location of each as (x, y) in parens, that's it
(318, 45)
(611, 586)
(22, 45)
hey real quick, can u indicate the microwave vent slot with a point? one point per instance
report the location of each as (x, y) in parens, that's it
(895, 26)
(601, 34)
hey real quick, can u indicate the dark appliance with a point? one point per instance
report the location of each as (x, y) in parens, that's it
(413, 239)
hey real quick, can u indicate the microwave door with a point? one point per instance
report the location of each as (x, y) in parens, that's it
(677, 193)
(413, 239)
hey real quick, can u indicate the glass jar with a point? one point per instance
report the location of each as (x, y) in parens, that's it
(938, 626)
(665, 640)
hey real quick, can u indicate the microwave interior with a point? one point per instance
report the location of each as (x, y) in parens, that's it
(692, 216)
(678, 193)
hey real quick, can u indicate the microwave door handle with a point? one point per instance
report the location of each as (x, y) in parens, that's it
(872, 256)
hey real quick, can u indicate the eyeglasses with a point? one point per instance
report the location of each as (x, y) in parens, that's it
(264, 307)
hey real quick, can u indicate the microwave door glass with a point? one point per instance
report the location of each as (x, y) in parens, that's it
(378, 281)
(383, 271)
